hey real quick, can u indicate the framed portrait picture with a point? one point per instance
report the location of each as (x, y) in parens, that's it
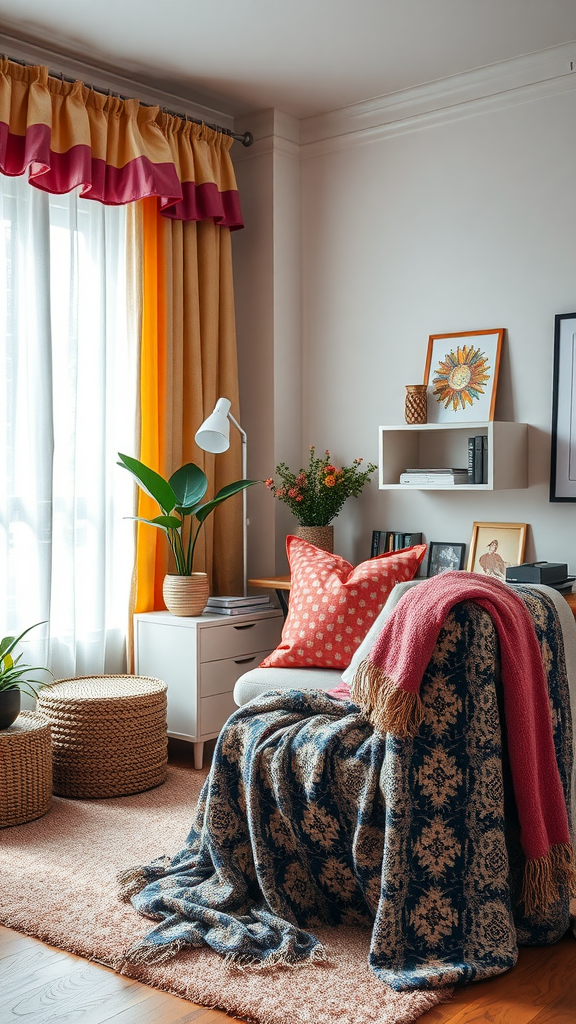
(461, 375)
(563, 453)
(445, 556)
(494, 546)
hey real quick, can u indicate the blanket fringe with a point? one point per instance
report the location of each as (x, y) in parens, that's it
(388, 707)
(278, 960)
(131, 881)
(543, 877)
(144, 953)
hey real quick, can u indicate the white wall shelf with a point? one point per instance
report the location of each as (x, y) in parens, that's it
(432, 445)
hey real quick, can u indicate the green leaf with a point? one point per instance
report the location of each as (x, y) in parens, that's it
(203, 511)
(151, 482)
(162, 522)
(8, 643)
(189, 484)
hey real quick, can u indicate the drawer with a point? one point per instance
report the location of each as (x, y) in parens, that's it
(232, 640)
(221, 676)
(214, 711)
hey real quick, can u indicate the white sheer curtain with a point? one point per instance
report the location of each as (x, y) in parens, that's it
(67, 406)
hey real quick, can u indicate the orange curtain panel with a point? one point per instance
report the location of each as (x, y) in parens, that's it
(188, 360)
(67, 135)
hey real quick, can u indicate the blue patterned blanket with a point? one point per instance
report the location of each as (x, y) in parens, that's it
(310, 816)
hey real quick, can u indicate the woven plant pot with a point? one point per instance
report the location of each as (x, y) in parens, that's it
(186, 595)
(320, 536)
(26, 775)
(109, 735)
(415, 403)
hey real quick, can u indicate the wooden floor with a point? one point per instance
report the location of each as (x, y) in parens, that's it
(43, 985)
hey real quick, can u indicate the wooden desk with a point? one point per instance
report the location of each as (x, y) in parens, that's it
(571, 598)
(278, 583)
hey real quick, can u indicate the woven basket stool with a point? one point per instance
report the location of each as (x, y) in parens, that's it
(109, 735)
(25, 769)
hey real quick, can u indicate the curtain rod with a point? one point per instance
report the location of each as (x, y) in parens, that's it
(246, 138)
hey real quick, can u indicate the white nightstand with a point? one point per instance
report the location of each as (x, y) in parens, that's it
(200, 658)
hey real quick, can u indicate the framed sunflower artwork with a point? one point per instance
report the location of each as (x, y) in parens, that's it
(461, 376)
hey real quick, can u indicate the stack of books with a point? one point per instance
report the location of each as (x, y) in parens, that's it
(392, 540)
(436, 477)
(238, 605)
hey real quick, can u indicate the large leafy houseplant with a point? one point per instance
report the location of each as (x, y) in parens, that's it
(15, 678)
(183, 511)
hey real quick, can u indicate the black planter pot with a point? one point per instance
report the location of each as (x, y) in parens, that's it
(9, 707)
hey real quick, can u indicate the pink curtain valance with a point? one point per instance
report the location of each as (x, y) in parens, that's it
(67, 135)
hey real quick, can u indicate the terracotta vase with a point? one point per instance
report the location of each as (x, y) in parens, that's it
(415, 403)
(185, 595)
(320, 536)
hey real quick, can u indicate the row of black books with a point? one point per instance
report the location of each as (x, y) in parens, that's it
(391, 540)
(478, 459)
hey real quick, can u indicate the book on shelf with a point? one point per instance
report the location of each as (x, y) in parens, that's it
(438, 477)
(478, 459)
(244, 609)
(392, 540)
(233, 602)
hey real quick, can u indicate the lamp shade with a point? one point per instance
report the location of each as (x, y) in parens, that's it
(214, 434)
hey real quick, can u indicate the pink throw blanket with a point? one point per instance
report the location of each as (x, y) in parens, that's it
(386, 687)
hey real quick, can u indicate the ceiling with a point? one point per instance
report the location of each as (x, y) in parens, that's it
(303, 57)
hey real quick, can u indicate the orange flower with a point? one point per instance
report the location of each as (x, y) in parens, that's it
(293, 492)
(329, 469)
(330, 481)
(269, 482)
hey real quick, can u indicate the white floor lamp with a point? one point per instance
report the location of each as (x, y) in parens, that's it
(214, 436)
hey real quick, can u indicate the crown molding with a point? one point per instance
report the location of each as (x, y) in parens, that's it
(101, 78)
(273, 132)
(519, 80)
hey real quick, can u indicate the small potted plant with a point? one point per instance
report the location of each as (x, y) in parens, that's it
(316, 495)
(15, 678)
(183, 514)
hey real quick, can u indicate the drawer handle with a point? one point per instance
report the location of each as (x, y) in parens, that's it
(246, 625)
(242, 661)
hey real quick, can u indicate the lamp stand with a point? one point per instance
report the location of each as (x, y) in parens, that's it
(244, 440)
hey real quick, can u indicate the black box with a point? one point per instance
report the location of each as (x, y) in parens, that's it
(537, 572)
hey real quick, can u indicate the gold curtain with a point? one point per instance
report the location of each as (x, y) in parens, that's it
(188, 361)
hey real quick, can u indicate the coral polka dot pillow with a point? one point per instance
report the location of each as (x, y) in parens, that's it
(332, 604)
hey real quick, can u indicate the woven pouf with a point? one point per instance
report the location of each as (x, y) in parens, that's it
(25, 769)
(109, 734)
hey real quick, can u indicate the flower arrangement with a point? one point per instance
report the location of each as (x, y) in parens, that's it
(316, 495)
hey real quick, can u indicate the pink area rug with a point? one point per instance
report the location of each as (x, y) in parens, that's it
(57, 882)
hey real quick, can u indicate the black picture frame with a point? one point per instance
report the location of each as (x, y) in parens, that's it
(563, 441)
(445, 555)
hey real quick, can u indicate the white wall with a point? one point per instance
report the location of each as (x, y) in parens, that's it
(268, 317)
(459, 226)
(446, 209)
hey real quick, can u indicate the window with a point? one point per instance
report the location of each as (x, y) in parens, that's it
(67, 406)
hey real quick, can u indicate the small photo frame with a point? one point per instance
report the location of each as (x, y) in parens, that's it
(461, 375)
(445, 556)
(563, 453)
(494, 546)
